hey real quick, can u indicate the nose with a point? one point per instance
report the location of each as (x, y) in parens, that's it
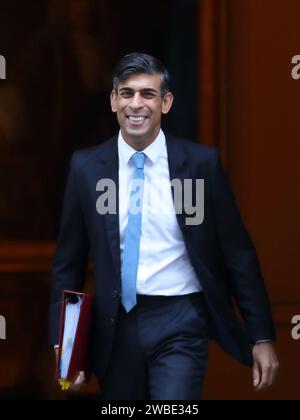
(136, 101)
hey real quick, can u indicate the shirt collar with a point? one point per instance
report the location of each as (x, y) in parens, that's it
(153, 151)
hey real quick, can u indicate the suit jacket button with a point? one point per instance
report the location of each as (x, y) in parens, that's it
(115, 293)
(112, 320)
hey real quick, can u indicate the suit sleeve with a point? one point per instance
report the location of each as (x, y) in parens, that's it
(246, 282)
(71, 254)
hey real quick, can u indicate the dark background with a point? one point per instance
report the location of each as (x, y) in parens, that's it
(60, 55)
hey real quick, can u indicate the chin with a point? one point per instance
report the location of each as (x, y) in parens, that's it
(138, 135)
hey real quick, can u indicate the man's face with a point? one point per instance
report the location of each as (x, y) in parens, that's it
(139, 105)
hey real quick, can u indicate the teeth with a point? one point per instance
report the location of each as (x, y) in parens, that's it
(137, 119)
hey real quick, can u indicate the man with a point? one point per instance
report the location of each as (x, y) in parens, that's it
(164, 282)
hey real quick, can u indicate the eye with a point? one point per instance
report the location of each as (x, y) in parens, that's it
(126, 94)
(148, 95)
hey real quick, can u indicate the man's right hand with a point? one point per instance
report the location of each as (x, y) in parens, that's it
(80, 379)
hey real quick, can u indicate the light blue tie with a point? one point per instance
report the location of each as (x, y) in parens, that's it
(130, 259)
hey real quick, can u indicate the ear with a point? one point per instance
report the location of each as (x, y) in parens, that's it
(113, 101)
(167, 102)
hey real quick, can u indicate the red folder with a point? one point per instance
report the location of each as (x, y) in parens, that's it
(79, 352)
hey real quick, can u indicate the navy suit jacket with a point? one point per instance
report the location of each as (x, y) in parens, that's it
(220, 251)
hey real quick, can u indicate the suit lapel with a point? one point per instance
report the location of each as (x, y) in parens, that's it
(110, 161)
(178, 168)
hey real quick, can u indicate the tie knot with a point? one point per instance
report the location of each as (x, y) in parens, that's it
(139, 160)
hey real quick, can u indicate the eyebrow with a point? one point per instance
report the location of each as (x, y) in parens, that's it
(145, 90)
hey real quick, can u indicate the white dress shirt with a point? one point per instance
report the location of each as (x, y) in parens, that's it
(164, 265)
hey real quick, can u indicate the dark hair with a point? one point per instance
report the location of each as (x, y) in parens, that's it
(140, 63)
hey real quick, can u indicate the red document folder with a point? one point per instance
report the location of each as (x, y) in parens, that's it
(79, 352)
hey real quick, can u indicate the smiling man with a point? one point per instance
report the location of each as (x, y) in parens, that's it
(139, 102)
(162, 287)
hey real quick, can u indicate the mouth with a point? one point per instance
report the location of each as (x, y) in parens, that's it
(136, 120)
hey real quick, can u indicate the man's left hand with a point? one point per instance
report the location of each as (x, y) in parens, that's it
(265, 365)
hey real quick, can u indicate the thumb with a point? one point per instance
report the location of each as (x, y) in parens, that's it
(80, 379)
(256, 375)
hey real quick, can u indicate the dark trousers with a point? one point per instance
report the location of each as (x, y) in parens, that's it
(160, 350)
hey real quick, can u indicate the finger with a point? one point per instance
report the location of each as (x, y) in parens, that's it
(256, 375)
(265, 378)
(78, 381)
(274, 373)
